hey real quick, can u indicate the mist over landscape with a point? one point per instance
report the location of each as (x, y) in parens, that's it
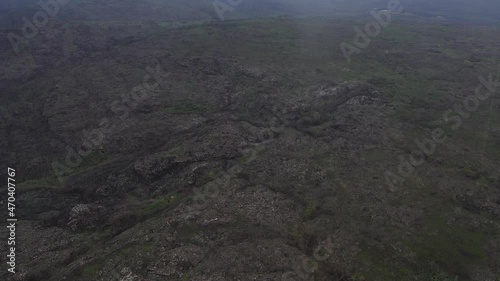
(213, 140)
(484, 12)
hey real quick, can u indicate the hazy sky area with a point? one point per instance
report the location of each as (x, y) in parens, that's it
(459, 11)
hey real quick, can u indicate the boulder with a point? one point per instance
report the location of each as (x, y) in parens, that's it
(85, 217)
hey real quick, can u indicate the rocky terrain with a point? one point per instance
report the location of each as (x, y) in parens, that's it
(240, 150)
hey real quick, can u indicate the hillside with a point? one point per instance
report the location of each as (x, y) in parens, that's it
(157, 144)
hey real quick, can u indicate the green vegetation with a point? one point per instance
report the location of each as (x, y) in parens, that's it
(189, 230)
(455, 248)
(159, 204)
(186, 106)
(470, 173)
(49, 181)
(421, 231)
(311, 209)
(96, 158)
(92, 269)
(398, 35)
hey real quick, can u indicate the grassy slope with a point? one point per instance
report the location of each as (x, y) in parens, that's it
(425, 69)
(421, 67)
